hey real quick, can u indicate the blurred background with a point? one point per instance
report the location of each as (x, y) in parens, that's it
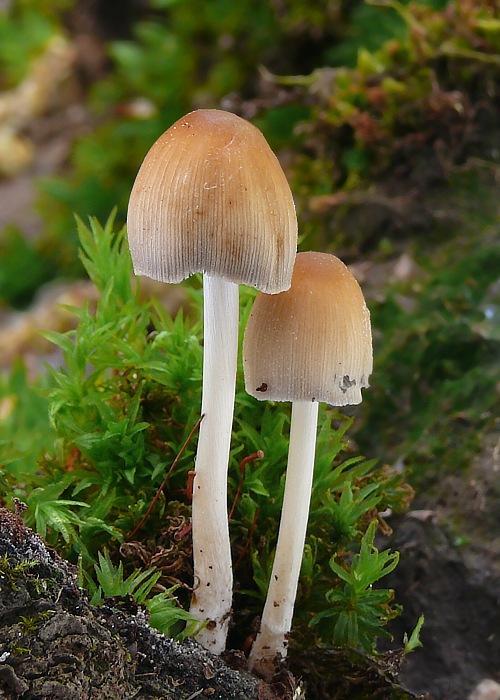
(385, 117)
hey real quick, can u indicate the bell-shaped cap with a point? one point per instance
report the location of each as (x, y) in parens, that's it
(212, 197)
(312, 342)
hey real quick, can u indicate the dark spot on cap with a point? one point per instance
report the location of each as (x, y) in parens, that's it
(347, 383)
(262, 387)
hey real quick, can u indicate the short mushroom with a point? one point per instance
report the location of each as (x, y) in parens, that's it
(309, 344)
(212, 197)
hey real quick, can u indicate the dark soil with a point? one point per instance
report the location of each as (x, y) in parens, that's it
(450, 571)
(461, 634)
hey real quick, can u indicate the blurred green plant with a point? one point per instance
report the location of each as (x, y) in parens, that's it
(120, 407)
(26, 27)
(436, 369)
(25, 268)
(182, 55)
(25, 429)
(387, 85)
(374, 100)
(407, 95)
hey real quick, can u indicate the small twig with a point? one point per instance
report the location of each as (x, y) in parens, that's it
(190, 483)
(165, 480)
(182, 533)
(247, 543)
(196, 694)
(251, 458)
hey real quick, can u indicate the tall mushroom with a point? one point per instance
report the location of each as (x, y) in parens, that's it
(308, 344)
(211, 197)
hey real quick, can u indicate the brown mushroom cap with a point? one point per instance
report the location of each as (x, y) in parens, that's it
(211, 197)
(312, 342)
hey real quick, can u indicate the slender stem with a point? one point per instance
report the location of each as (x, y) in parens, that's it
(165, 481)
(271, 642)
(213, 577)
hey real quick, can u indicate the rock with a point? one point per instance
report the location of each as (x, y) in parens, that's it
(487, 689)
(53, 644)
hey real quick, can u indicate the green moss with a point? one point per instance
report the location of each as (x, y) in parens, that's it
(15, 572)
(30, 625)
(121, 406)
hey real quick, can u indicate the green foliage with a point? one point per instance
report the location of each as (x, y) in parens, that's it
(31, 625)
(165, 614)
(178, 58)
(115, 372)
(396, 100)
(25, 30)
(358, 612)
(121, 406)
(369, 28)
(413, 641)
(14, 572)
(170, 619)
(438, 363)
(346, 496)
(26, 432)
(24, 268)
(112, 583)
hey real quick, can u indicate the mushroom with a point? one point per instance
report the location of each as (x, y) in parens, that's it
(309, 344)
(211, 197)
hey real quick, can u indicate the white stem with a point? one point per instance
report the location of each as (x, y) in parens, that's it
(213, 575)
(272, 642)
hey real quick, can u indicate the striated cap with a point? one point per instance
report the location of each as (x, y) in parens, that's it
(212, 197)
(312, 342)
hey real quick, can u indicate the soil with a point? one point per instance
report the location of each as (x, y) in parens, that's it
(450, 571)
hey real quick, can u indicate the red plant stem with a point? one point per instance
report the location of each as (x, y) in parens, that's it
(165, 480)
(190, 483)
(251, 458)
(247, 543)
